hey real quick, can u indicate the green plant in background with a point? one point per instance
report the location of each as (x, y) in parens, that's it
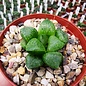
(1, 7)
(70, 4)
(35, 3)
(84, 33)
(75, 16)
(24, 11)
(22, 2)
(1, 21)
(36, 9)
(80, 10)
(81, 24)
(65, 0)
(54, 5)
(8, 22)
(1, 27)
(15, 3)
(59, 14)
(16, 14)
(63, 9)
(8, 6)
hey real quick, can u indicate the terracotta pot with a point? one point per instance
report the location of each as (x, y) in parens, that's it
(72, 29)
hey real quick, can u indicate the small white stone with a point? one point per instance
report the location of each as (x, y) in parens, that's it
(64, 29)
(44, 82)
(73, 37)
(75, 47)
(79, 47)
(11, 35)
(25, 54)
(82, 83)
(12, 60)
(13, 29)
(7, 37)
(49, 80)
(78, 71)
(49, 75)
(16, 79)
(73, 65)
(10, 71)
(59, 78)
(28, 23)
(11, 49)
(38, 79)
(49, 84)
(18, 59)
(19, 37)
(41, 72)
(78, 53)
(82, 55)
(55, 80)
(66, 69)
(80, 66)
(3, 59)
(25, 77)
(22, 59)
(18, 47)
(28, 84)
(73, 56)
(68, 82)
(69, 47)
(7, 44)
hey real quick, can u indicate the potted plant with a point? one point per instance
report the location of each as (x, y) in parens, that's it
(16, 15)
(1, 7)
(22, 4)
(0, 1)
(8, 6)
(81, 12)
(63, 10)
(1, 24)
(82, 26)
(84, 33)
(52, 6)
(75, 17)
(24, 10)
(71, 7)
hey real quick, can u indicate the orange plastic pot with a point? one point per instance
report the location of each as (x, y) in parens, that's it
(5, 81)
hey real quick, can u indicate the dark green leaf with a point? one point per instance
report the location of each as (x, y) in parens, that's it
(54, 44)
(28, 33)
(47, 28)
(62, 36)
(35, 46)
(53, 59)
(33, 61)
